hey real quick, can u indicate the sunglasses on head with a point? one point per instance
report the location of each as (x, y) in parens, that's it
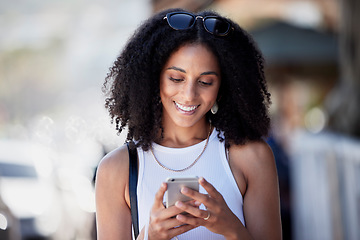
(184, 20)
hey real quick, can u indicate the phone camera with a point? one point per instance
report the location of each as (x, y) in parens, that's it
(172, 179)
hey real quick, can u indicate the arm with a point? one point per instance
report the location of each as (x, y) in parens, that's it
(112, 198)
(254, 169)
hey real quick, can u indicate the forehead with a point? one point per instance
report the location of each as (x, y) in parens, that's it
(193, 55)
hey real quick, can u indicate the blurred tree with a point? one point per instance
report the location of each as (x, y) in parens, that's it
(344, 102)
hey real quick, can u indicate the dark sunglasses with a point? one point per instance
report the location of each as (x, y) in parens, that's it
(184, 20)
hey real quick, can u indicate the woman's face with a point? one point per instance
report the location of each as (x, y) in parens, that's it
(189, 85)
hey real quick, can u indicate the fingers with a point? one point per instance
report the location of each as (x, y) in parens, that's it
(197, 218)
(188, 220)
(168, 229)
(161, 224)
(159, 196)
(170, 212)
(209, 188)
(159, 213)
(181, 229)
(209, 199)
(194, 203)
(213, 201)
(194, 211)
(158, 205)
(162, 233)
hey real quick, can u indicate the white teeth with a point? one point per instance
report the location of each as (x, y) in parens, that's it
(186, 108)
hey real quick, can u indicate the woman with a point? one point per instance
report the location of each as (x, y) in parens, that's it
(190, 89)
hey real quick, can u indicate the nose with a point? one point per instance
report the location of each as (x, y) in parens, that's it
(189, 91)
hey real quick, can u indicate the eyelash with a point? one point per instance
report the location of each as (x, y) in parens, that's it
(180, 80)
(205, 83)
(176, 79)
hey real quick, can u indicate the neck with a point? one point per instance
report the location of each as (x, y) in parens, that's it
(179, 137)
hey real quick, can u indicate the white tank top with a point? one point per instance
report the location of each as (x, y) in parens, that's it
(212, 165)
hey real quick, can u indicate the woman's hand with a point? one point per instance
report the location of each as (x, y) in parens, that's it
(217, 217)
(163, 225)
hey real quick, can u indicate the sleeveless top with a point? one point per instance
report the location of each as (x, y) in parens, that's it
(212, 165)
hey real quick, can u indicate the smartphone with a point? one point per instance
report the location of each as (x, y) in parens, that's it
(174, 185)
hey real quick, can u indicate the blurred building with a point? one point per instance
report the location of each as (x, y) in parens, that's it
(247, 12)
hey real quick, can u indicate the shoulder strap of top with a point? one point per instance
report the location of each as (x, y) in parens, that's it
(133, 176)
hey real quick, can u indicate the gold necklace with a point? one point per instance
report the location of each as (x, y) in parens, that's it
(192, 164)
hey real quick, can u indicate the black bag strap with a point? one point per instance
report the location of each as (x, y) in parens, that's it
(133, 176)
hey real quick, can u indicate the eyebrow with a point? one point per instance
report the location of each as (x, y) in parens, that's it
(177, 69)
(210, 73)
(183, 71)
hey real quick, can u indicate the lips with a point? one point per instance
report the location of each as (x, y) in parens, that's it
(186, 108)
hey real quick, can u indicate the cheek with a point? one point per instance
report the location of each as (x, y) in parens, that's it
(166, 90)
(212, 96)
(162, 89)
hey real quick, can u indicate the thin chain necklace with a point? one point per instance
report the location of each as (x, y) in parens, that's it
(192, 164)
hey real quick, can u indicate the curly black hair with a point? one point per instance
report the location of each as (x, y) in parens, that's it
(132, 84)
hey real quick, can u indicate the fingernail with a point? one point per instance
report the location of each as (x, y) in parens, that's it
(179, 204)
(197, 203)
(202, 180)
(184, 190)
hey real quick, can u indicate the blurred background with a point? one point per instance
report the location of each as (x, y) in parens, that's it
(54, 56)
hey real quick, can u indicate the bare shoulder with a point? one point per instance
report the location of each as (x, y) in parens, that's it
(113, 172)
(112, 176)
(113, 162)
(112, 196)
(254, 150)
(252, 157)
(249, 161)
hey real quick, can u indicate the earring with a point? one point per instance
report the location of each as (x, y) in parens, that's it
(214, 108)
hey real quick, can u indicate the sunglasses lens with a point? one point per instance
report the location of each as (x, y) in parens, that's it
(216, 26)
(180, 21)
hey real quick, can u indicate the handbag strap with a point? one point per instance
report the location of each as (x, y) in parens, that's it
(133, 176)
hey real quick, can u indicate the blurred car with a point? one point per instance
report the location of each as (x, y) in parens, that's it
(50, 193)
(9, 224)
(26, 186)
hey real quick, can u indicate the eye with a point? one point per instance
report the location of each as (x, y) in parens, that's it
(205, 83)
(176, 79)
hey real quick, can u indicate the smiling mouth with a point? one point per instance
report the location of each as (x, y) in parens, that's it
(187, 109)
